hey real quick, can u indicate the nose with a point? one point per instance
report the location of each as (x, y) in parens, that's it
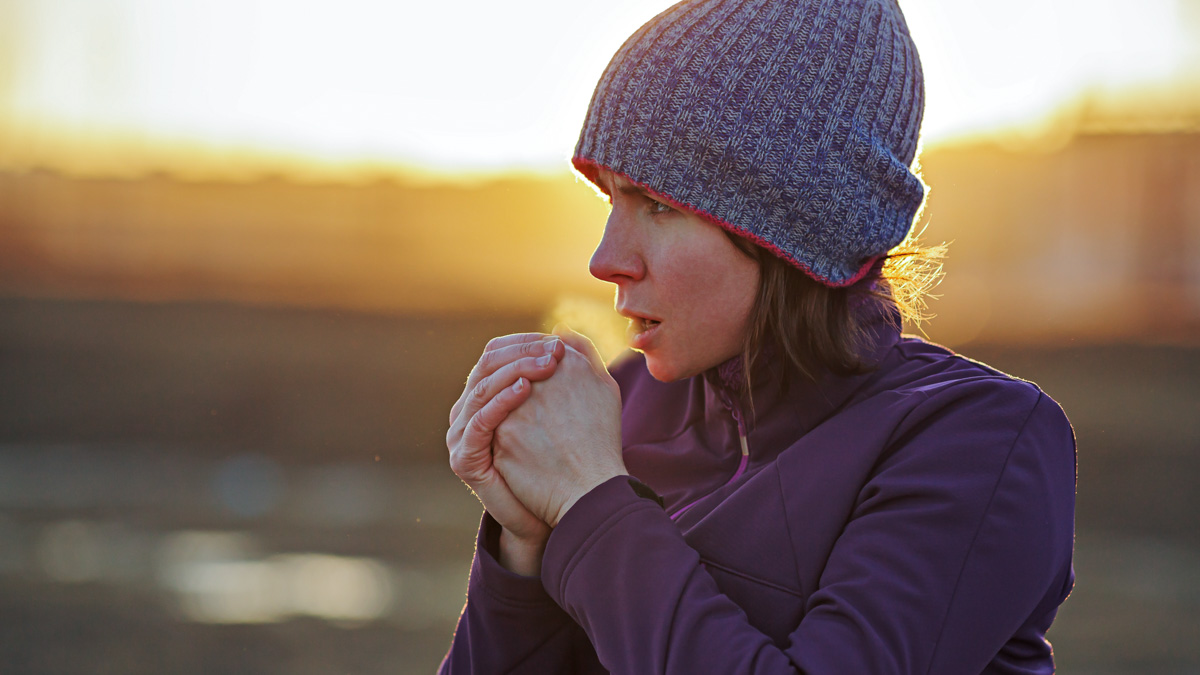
(617, 259)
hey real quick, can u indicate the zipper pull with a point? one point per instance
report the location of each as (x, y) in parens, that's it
(745, 460)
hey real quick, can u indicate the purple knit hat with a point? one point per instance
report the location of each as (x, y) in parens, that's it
(793, 123)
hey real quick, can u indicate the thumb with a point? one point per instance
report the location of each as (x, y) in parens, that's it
(580, 343)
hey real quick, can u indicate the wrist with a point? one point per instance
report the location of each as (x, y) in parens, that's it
(521, 556)
(596, 480)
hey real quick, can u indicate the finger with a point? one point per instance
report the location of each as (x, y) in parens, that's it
(580, 343)
(493, 360)
(532, 369)
(498, 498)
(470, 456)
(477, 437)
(514, 339)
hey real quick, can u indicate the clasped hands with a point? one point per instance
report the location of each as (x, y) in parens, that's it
(537, 426)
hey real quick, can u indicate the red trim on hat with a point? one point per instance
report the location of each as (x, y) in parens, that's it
(590, 170)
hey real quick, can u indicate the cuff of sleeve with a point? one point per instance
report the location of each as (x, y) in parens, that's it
(588, 519)
(488, 576)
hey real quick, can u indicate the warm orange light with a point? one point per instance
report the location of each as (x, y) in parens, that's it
(250, 150)
(476, 84)
(480, 85)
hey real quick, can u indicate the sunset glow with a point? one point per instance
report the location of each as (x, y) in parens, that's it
(476, 85)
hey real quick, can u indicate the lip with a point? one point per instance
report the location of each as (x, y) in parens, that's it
(641, 338)
(631, 314)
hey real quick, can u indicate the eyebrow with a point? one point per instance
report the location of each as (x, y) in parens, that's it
(628, 187)
(633, 189)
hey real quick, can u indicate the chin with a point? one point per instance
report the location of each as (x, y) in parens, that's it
(665, 371)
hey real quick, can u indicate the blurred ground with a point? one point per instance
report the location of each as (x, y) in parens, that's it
(161, 465)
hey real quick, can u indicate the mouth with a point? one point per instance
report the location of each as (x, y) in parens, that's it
(642, 330)
(642, 324)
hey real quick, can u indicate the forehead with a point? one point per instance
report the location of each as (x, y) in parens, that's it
(610, 183)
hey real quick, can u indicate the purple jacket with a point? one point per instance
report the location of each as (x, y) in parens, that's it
(916, 519)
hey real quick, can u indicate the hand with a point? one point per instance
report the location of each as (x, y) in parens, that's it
(566, 438)
(500, 382)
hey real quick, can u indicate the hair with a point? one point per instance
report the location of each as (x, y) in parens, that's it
(818, 328)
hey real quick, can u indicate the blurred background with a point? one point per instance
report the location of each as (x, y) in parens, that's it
(250, 249)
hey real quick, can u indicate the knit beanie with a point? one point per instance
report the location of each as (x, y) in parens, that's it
(793, 123)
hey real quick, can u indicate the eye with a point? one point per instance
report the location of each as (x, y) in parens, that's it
(657, 207)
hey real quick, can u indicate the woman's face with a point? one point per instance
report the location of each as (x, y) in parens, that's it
(684, 286)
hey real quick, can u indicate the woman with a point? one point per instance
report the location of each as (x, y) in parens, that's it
(777, 481)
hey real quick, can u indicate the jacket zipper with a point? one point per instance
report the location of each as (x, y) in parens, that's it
(742, 463)
(741, 428)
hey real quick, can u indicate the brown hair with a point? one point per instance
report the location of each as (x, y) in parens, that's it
(816, 328)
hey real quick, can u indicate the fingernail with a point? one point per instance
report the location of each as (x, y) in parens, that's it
(545, 360)
(519, 385)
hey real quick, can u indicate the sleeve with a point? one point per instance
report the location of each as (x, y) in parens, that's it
(937, 569)
(509, 624)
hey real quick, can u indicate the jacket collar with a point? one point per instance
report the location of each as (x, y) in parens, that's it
(806, 402)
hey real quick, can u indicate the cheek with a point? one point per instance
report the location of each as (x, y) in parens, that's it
(718, 299)
(728, 309)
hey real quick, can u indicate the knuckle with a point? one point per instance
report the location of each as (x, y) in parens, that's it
(480, 390)
(478, 425)
(486, 360)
